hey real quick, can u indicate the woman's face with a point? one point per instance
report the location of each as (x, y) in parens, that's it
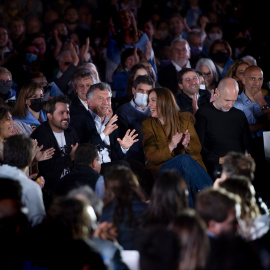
(125, 20)
(239, 73)
(152, 104)
(38, 94)
(6, 127)
(208, 76)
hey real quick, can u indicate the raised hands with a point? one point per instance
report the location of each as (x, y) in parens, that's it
(111, 126)
(129, 139)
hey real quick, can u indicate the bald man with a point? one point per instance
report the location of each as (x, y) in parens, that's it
(221, 127)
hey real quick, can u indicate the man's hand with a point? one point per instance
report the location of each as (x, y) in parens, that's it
(106, 231)
(129, 139)
(84, 50)
(195, 106)
(111, 126)
(73, 53)
(73, 149)
(43, 155)
(221, 160)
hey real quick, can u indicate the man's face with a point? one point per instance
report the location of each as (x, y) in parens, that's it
(71, 16)
(59, 120)
(225, 100)
(180, 53)
(176, 26)
(100, 103)
(190, 84)
(41, 44)
(83, 85)
(253, 81)
(3, 37)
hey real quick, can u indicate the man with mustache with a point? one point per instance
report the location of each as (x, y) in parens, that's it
(56, 133)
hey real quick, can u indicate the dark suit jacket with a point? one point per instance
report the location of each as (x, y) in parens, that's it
(77, 107)
(85, 127)
(167, 77)
(52, 169)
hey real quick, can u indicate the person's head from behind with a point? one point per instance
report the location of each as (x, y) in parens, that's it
(159, 249)
(219, 209)
(30, 98)
(180, 52)
(141, 86)
(87, 154)
(207, 67)
(226, 94)
(169, 196)
(19, 151)
(253, 81)
(238, 164)
(81, 80)
(243, 187)
(5, 82)
(188, 81)
(6, 123)
(57, 109)
(191, 231)
(99, 98)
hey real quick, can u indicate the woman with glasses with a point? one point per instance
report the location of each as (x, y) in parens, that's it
(208, 69)
(28, 111)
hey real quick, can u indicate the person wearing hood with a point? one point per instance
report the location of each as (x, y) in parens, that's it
(28, 112)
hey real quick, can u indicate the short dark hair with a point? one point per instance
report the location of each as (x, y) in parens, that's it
(50, 104)
(125, 54)
(18, 151)
(10, 189)
(85, 153)
(80, 73)
(181, 73)
(143, 79)
(98, 86)
(238, 164)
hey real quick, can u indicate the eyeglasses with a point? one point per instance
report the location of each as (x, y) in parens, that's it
(207, 74)
(5, 82)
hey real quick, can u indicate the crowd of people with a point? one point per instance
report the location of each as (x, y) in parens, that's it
(133, 136)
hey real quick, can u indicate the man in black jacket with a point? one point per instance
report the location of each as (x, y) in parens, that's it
(55, 132)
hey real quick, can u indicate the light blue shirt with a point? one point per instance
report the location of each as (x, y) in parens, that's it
(252, 111)
(99, 189)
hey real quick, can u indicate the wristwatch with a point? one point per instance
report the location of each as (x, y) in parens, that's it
(265, 107)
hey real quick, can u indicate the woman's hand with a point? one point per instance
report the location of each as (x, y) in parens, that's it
(175, 140)
(186, 138)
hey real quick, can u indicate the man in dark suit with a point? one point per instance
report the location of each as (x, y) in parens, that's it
(56, 133)
(179, 58)
(98, 126)
(81, 80)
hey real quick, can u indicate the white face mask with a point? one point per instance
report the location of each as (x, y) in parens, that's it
(215, 36)
(141, 99)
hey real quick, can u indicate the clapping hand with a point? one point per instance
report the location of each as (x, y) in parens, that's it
(186, 138)
(129, 139)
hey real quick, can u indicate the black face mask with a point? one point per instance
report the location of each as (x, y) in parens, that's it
(4, 88)
(220, 57)
(36, 104)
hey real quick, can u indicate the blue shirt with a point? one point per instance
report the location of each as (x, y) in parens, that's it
(252, 111)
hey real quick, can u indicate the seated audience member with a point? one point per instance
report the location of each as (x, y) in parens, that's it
(221, 127)
(28, 111)
(208, 69)
(135, 71)
(179, 58)
(170, 141)
(62, 239)
(56, 133)
(99, 128)
(191, 231)
(19, 151)
(85, 172)
(131, 115)
(190, 97)
(13, 223)
(159, 249)
(236, 71)
(168, 198)
(124, 203)
(103, 234)
(220, 52)
(92, 68)
(7, 93)
(81, 79)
